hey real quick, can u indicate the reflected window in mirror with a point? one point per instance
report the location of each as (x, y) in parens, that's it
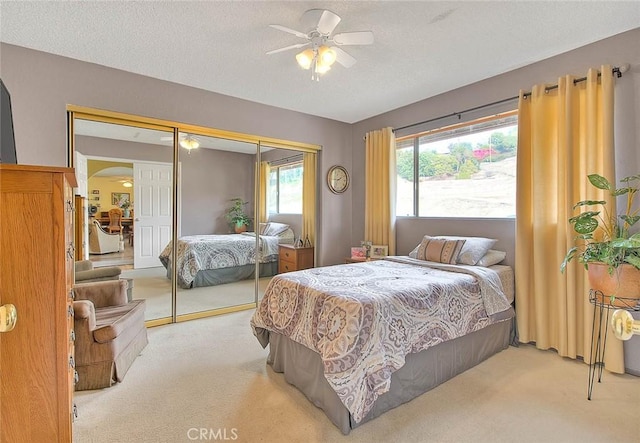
(285, 188)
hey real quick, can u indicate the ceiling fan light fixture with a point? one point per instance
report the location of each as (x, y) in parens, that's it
(326, 55)
(305, 58)
(321, 53)
(189, 143)
(321, 69)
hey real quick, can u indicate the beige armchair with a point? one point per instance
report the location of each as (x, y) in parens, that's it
(110, 333)
(100, 241)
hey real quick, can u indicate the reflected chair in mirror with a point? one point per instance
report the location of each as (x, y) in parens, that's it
(110, 333)
(115, 220)
(100, 241)
(86, 273)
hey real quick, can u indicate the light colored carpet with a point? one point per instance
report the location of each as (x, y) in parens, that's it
(152, 285)
(211, 374)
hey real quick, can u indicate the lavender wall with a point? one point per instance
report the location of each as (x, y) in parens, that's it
(210, 178)
(102, 147)
(42, 85)
(616, 50)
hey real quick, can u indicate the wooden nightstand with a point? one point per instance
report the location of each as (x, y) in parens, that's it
(294, 259)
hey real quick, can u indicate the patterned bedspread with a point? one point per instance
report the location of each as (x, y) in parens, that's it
(364, 318)
(201, 252)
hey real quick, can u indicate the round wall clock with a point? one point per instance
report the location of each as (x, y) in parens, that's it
(338, 179)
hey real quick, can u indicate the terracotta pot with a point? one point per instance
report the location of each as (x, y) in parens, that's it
(240, 229)
(623, 282)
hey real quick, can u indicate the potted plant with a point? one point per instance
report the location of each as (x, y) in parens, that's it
(606, 243)
(236, 216)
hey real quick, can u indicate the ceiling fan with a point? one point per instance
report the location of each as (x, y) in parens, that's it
(126, 181)
(322, 47)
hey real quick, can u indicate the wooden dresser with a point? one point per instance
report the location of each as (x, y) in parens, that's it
(294, 259)
(36, 276)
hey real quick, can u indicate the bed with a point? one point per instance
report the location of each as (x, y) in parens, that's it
(360, 339)
(208, 260)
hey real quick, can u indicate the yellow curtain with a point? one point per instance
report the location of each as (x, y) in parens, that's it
(264, 186)
(564, 134)
(309, 196)
(380, 191)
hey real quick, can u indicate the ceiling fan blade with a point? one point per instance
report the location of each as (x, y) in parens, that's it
(290, 31)
(343, 58)
(354, 38)
(299, 45)
(328, 22)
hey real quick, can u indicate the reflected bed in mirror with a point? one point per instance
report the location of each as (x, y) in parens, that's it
(209, 260)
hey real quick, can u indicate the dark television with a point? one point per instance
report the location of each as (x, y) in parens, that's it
(7, 140)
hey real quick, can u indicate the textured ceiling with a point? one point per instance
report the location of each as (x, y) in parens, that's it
(421, 49)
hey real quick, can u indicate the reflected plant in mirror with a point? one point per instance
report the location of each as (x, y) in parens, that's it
(237, 217)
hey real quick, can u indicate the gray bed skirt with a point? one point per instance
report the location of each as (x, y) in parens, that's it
(213, 277)
(422, 371)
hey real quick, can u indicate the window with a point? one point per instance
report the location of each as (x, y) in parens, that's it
(285, 189)
(465, 170)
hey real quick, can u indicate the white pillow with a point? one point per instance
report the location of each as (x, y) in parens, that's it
(474, 249)
(492, 257)
(274, 228)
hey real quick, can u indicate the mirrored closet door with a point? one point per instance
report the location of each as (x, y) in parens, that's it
(286, 209)
(216, 237)
(233, 201)
(127, 169)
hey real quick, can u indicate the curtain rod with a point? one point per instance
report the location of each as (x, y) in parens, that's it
(285, 160)
(616, 70)
(458, 114)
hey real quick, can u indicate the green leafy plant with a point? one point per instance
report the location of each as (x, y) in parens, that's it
(236, 215)
(604, 237)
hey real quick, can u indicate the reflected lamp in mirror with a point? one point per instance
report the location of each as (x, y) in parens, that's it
(189, 142)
